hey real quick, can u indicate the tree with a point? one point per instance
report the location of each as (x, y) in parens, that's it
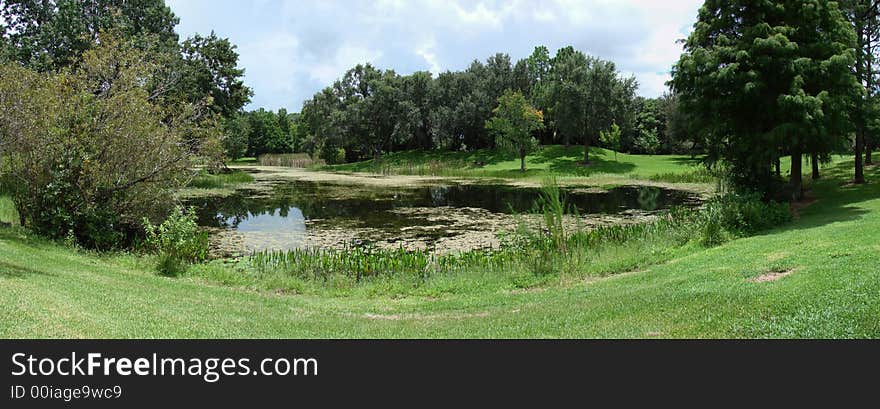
(588, 95)
(678, 138)
(320, 120)
(611, 139)
(513, 122)
(456, 99)
(608, 100)
(88, 153)
(51, 34)
(864, 17)
(767, 77)
(266, 134)
(376, 115)
(236, 135)
(211, 73)
(566, 96)
(416, 89)
(649, 130)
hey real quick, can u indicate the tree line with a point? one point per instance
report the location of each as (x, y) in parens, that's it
(370, 111)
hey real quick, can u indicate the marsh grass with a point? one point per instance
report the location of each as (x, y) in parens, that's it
(360, 263)
(697, 175)
(290, 160)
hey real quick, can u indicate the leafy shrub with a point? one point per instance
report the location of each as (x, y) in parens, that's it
(90, 150)
(178, 241)
(738, 214)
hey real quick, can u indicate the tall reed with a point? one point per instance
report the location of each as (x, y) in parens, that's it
(290, 160)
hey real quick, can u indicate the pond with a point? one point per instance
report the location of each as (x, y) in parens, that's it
(288, 214)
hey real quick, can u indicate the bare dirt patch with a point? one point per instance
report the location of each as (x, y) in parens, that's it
(420, 317)
(368, 179)
(772, 275)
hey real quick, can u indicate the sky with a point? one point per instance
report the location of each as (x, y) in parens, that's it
(291, 49)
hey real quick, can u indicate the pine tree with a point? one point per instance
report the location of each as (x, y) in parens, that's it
(760, 78)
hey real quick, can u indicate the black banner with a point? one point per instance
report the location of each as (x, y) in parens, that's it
(331, 373)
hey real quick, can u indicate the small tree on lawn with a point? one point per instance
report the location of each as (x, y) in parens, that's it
(611, 139)
(513, 122)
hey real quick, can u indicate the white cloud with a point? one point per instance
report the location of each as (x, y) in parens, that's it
(346, 57)
(479, 15)
(426, 51)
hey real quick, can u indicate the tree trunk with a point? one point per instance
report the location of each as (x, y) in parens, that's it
(797, 183)
(814, 161)
(778, 164)
(860, 167)
(859, 176)
(868, 149)
(522, 161)
(586, 152)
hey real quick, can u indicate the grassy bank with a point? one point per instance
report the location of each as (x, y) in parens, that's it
(606, 166)
(825, 266)
(205, 180)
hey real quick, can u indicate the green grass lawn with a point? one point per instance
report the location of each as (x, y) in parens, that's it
(606, 167)
(554, 159)
(833, 290)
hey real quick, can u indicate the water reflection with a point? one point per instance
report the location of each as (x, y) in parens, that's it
(288, 205)
(649, 198)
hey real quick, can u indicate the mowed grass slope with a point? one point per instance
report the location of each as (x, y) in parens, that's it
(833, 290)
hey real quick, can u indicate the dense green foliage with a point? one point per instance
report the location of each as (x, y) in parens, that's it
(864, 18)
(210, 72)
(513, 123)
(104, 113)
(370, 111)
(47, 35)
(68, 144)
(259, 132)
(51, 35)
(177, 240)
(767, 79)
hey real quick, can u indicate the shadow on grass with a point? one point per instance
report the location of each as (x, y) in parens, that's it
(687, 161)
(836, 198)
(570, 161)
(9, 270)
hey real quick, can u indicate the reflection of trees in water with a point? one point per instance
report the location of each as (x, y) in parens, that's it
(371, 206)
(311, 200)
(649, 198)
(438, 195)
(230, 211)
